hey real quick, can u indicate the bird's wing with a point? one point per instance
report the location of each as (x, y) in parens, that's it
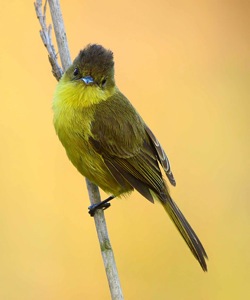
(128, 149)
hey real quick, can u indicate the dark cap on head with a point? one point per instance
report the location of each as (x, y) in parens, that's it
(95, 59)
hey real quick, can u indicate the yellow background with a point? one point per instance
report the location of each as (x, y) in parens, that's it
(185, 65)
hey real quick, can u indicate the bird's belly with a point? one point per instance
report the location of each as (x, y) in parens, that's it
(89, 163)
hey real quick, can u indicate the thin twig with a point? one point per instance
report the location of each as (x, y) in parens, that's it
(94, 195)
(45, 33)
(106, 249)
(61, 38)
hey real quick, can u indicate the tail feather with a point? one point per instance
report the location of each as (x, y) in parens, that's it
(186, 231)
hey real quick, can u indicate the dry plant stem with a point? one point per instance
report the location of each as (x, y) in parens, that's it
(60, 32)
(45, 34)
(94, 195)
(106, 249)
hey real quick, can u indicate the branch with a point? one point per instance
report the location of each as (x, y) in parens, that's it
(94, 195)
(61, 37)
(45, 34)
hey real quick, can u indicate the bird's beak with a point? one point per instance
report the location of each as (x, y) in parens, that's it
(88, 80)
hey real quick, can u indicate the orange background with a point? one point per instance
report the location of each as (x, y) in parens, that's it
(185, 65)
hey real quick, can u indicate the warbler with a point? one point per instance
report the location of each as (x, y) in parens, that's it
(109, 143)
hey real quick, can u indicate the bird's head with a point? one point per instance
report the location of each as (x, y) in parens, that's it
(91, 76)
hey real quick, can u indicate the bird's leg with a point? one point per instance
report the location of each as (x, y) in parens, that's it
(102, 205)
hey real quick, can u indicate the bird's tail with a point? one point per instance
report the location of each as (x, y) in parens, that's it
(186, 231)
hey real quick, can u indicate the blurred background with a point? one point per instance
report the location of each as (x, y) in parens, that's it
(185, 66)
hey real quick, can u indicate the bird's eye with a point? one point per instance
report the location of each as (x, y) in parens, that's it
(104, 82)
(76, 72)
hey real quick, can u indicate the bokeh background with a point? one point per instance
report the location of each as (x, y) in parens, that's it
(185, 65)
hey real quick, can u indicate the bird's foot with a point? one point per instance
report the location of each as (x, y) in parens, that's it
(101, 205)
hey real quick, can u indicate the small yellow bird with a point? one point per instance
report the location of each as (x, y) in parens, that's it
(109, 143)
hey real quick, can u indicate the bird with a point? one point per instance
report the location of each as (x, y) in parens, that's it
(109, 143)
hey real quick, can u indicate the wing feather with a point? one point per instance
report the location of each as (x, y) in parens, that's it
(162, 156)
